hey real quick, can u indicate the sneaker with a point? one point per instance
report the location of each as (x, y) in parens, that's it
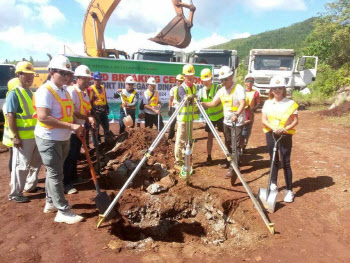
(273, 187)
(50, 208)
(69, 190)
(79, 180)
(229, 173)
(289, 197)
(225, 165)
(178, 165)
(68, 217)
(19, 199)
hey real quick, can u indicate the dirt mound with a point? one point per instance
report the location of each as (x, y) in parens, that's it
(338, 110)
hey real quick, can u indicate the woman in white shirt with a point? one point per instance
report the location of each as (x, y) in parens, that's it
(279, 117)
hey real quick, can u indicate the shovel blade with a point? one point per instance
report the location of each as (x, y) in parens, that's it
(103, 201)
(177, 34)
(128, 122)
(268, 202)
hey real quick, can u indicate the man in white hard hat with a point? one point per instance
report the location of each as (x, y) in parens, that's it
(19, 133)
(232, 97)
(152, 104)
(55, 113)
(173, 103)
(130, 98)
(82, 107)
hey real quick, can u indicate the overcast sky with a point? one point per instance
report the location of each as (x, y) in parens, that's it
(36, 27)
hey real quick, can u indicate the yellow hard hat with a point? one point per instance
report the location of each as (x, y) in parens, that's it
(206, 74)
(180, 77)
(13, 83)
(188, 70)
(25, 67)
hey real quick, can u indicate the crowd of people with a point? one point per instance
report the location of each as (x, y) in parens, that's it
(46, 127)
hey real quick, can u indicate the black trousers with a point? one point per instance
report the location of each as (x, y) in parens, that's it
(285, 150)
(230, 138)
(151, 119)
(172, 126)
(71, 162)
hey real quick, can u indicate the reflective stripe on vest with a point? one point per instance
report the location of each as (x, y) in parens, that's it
(85, 106)
(279, 119)
(155, 98)
(227, 101)
(101, 97)
(130, 99)
(182, 116)
(67, 107)
(215, 113)
(249, 99)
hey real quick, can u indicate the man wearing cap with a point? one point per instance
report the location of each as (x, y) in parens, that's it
(98, 100)
(232, 97)
(129, 98)
(252, 102)
(82, 114)
(26, 160)
(55, 113)
(173, 103)
(215, 114)
(187, 88)
(152, 104)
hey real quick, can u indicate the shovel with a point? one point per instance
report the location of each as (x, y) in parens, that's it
(97, 153)
(109, 134)
(102, 200)
(127, 120)
(267, 196)
(234, 178)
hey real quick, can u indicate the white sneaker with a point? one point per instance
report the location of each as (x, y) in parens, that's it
(273, 187)
(289, 197)
(50, 208)
(68, 217)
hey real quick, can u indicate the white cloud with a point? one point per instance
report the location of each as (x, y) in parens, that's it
(287, 5)
(241, 35)
(84, 3)
(51, 15)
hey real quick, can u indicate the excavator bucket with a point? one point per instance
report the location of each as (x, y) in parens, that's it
(177, 34)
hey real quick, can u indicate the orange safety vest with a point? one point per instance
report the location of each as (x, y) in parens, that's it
(130, 99)
(154, 100)
(101, 97)
(67, 108)
(85, 106)
(279, 119)
(249, 99)
(227, 101)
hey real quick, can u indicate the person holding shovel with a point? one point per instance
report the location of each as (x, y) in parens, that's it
(82, 114)
(130, 98)
(232, 97)
(280, 116)
(152, 106)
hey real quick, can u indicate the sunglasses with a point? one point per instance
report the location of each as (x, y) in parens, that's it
(278, 88)
(64, 73)
(249, 81)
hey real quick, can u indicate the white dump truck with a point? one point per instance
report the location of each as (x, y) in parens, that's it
(264, 64)
(159, 55)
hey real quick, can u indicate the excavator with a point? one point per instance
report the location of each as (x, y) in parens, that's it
(176, 33)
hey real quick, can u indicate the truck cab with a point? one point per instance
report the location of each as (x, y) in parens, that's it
(159, 55)
(264, 64)
(216, 57)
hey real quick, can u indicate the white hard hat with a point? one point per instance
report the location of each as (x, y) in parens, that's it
(60, 62)
(130, 80)
(82, 71)
(277, 81)
(225, 72)
(249, 76)
(151, 81)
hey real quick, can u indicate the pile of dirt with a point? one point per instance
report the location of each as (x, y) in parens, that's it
(338, 110)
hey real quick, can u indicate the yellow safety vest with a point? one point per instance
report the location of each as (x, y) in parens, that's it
(278, 119)
(101, 97)
(24, 121)
(67, 107)
(85, 106)
(215, 113)
(155, 98)
(227, 101)
(182, 116)
(249, 99)
(176, 96)
(130, 99)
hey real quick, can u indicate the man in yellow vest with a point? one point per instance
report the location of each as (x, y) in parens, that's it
(188, 88)
(173, 103)
(152, 104)
(98, 100)
(26, 160)
(232, 97)
(252, 102)
(55, 113)
(130, 98)
(215, 114)
(82, 114)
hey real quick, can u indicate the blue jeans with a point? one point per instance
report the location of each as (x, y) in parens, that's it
(71, 162)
